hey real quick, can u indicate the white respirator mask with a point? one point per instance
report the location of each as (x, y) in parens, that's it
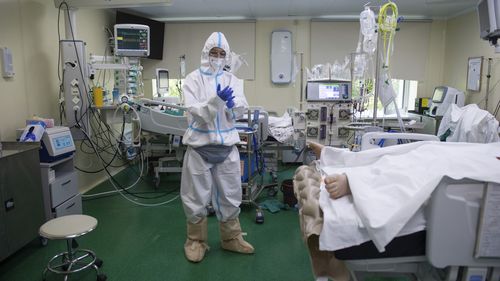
(217, 63)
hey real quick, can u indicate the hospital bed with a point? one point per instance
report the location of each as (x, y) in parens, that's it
(167, 121)
(453, 246)
(162, 118)
(450, 243)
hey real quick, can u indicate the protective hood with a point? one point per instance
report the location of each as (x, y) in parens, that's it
(216, 39)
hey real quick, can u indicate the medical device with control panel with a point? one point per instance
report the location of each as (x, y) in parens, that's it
(329, 108)
(442, 99)
(57, 143)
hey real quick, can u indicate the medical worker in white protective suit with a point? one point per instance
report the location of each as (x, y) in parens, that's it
(211, 171)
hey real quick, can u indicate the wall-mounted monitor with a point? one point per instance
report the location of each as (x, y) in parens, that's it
(131, 40)
(330, 90)
(156, 31)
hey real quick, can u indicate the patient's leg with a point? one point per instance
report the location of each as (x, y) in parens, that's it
(306, 185)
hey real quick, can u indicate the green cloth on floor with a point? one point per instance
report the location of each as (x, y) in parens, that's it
(272, 205)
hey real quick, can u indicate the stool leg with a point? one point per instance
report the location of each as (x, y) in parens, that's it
(44, 274)
(70, 249)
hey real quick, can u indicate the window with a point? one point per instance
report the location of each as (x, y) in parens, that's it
(174, 87)
(406, 91)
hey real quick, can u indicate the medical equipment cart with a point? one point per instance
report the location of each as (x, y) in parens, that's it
(60, 188)
(251, 177)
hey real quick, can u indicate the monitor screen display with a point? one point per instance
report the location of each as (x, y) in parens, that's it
(162, 76)
(62, 142)
(156, 31)
(133, 39)
(328, 91)
(439, 93)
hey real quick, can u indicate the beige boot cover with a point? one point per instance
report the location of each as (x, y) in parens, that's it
(231, 238)
(306, 184)
(196, 246)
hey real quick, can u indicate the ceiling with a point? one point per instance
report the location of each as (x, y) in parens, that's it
(182, 10)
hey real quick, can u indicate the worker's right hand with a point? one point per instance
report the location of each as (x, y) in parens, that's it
(337, 185)
(225, 93)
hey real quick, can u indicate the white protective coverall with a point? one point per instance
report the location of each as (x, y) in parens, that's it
(469, 124)
(211, 122)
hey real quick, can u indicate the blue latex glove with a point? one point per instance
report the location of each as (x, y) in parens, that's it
(230, 102)
(224, 94)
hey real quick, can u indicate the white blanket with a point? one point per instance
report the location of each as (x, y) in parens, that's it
(390, 185)
(281, 128)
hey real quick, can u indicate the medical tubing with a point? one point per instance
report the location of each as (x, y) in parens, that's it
(105, 167)
(98, 132)
(108, 163)
(387, 27)
(102, 160)
(126, 188)
(138, 117)
(59, 48)
(120, 191)
(115, 191)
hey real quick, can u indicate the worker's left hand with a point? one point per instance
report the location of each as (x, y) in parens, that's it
(337, 185)
(230, 102)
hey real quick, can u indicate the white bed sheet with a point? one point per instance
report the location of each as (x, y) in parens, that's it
(390, 185)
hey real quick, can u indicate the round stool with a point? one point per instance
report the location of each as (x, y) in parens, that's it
(74, 260)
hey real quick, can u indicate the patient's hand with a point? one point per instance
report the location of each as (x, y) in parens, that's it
(337, 185)
(316, 148)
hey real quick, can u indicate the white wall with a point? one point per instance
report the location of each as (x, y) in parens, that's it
(14, 108)
(462, 42)
(260, 91)
(29, 29)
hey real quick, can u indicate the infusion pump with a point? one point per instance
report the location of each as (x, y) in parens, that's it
(57, 143)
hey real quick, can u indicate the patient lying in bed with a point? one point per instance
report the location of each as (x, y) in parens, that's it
(378, 194)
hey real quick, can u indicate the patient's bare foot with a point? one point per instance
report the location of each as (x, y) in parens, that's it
(316, 148)
(337, 186)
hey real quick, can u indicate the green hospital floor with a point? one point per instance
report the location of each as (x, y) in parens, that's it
(146, 243)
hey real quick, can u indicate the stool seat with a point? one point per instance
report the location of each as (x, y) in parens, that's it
(66, 227)
(73, 260)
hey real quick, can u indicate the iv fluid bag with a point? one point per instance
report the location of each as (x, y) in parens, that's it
(367, 22)
(368, 27)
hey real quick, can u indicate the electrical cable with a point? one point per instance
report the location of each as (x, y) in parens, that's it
(121, 190)
(82, 115)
